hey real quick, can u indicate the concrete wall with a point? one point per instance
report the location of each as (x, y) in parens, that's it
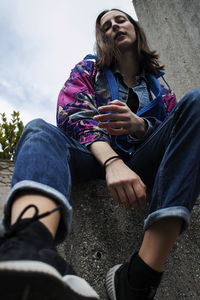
(105, 234)
(6, 169)
(173, 30)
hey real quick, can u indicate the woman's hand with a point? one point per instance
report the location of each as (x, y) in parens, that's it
(118, 119)
(125, 186)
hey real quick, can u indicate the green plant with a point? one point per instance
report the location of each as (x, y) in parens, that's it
(10, 133)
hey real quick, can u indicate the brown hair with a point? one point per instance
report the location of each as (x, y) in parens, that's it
(108, 54)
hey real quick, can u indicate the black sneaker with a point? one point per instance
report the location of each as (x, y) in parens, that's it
(118, 287)
(31, 268)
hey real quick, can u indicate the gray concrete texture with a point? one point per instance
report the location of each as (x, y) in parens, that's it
(104, 233)
(172, 28)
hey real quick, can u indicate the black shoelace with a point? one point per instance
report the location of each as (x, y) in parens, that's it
(14, 228)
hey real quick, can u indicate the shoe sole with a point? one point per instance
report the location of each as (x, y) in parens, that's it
(31, 280)
(110, 282)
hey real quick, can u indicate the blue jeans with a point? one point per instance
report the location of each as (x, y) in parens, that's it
(47, 161)
(169, 162)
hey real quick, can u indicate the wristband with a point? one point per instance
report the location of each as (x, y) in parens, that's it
(110, 158)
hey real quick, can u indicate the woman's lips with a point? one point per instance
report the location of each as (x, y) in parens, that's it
(120, 35)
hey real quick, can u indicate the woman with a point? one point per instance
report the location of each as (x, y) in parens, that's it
(118, 122)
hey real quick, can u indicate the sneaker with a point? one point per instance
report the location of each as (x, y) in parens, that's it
(118, 287)
(31, 268)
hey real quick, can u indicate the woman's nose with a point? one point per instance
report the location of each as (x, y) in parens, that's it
(115, 26)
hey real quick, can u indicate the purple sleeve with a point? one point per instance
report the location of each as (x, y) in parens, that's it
(76, 105)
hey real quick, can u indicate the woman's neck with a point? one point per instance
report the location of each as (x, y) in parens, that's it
(129, 68)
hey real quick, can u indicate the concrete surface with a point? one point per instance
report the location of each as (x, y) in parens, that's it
(173, 30)
(105, 234)
(6, 169)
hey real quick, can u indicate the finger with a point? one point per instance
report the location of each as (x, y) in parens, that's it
(122, 196)
(111, 116)
(112, 108)
(117, 131)
(114, 194)
(140, 191)
(118, 194)
(113, 124)
(117, 102)
(131, 196)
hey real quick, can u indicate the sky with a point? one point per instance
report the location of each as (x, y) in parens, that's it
(41, 41)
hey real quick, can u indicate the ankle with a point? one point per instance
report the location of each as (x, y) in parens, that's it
(141, 275)
(155, 262)
(43, 205)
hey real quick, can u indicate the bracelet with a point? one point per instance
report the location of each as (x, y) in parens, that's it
(112, 157)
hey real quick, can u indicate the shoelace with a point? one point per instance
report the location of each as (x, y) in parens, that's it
(4, 234)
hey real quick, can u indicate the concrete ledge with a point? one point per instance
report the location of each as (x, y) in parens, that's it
(104, 234)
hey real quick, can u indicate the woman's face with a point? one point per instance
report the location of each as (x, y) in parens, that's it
(119, 29)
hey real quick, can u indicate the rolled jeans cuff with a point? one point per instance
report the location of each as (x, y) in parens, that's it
(29, 186)
(169, 212)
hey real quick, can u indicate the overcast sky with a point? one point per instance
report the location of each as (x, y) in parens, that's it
(41, 41)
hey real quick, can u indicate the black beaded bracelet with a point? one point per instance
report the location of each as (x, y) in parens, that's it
(112, 157)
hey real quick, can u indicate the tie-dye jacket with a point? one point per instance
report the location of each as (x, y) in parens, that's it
(87, 88)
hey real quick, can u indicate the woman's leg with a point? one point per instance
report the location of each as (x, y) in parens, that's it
(158, 241)
(169, 163)
(46, 159)
(176, 185)
(38, 214)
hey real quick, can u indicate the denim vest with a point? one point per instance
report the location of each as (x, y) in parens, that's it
(140, 90)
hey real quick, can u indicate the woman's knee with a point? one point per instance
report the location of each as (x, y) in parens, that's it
(38, 126)
(193, 96)
(35, 124)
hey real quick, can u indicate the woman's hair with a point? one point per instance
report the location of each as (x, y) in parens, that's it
(108, 54)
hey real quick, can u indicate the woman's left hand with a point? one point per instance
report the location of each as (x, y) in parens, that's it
(118, 119)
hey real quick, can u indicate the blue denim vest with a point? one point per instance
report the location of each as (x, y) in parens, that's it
(141, 90)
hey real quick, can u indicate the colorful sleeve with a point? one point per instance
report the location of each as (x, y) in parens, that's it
(169, 101)
(168, 98)
(76, 105)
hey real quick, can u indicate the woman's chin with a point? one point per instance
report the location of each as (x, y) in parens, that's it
(125, 47)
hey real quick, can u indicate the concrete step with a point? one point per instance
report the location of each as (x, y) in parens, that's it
(105, 233)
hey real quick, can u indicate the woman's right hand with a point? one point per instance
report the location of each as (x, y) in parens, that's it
(125, 186)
